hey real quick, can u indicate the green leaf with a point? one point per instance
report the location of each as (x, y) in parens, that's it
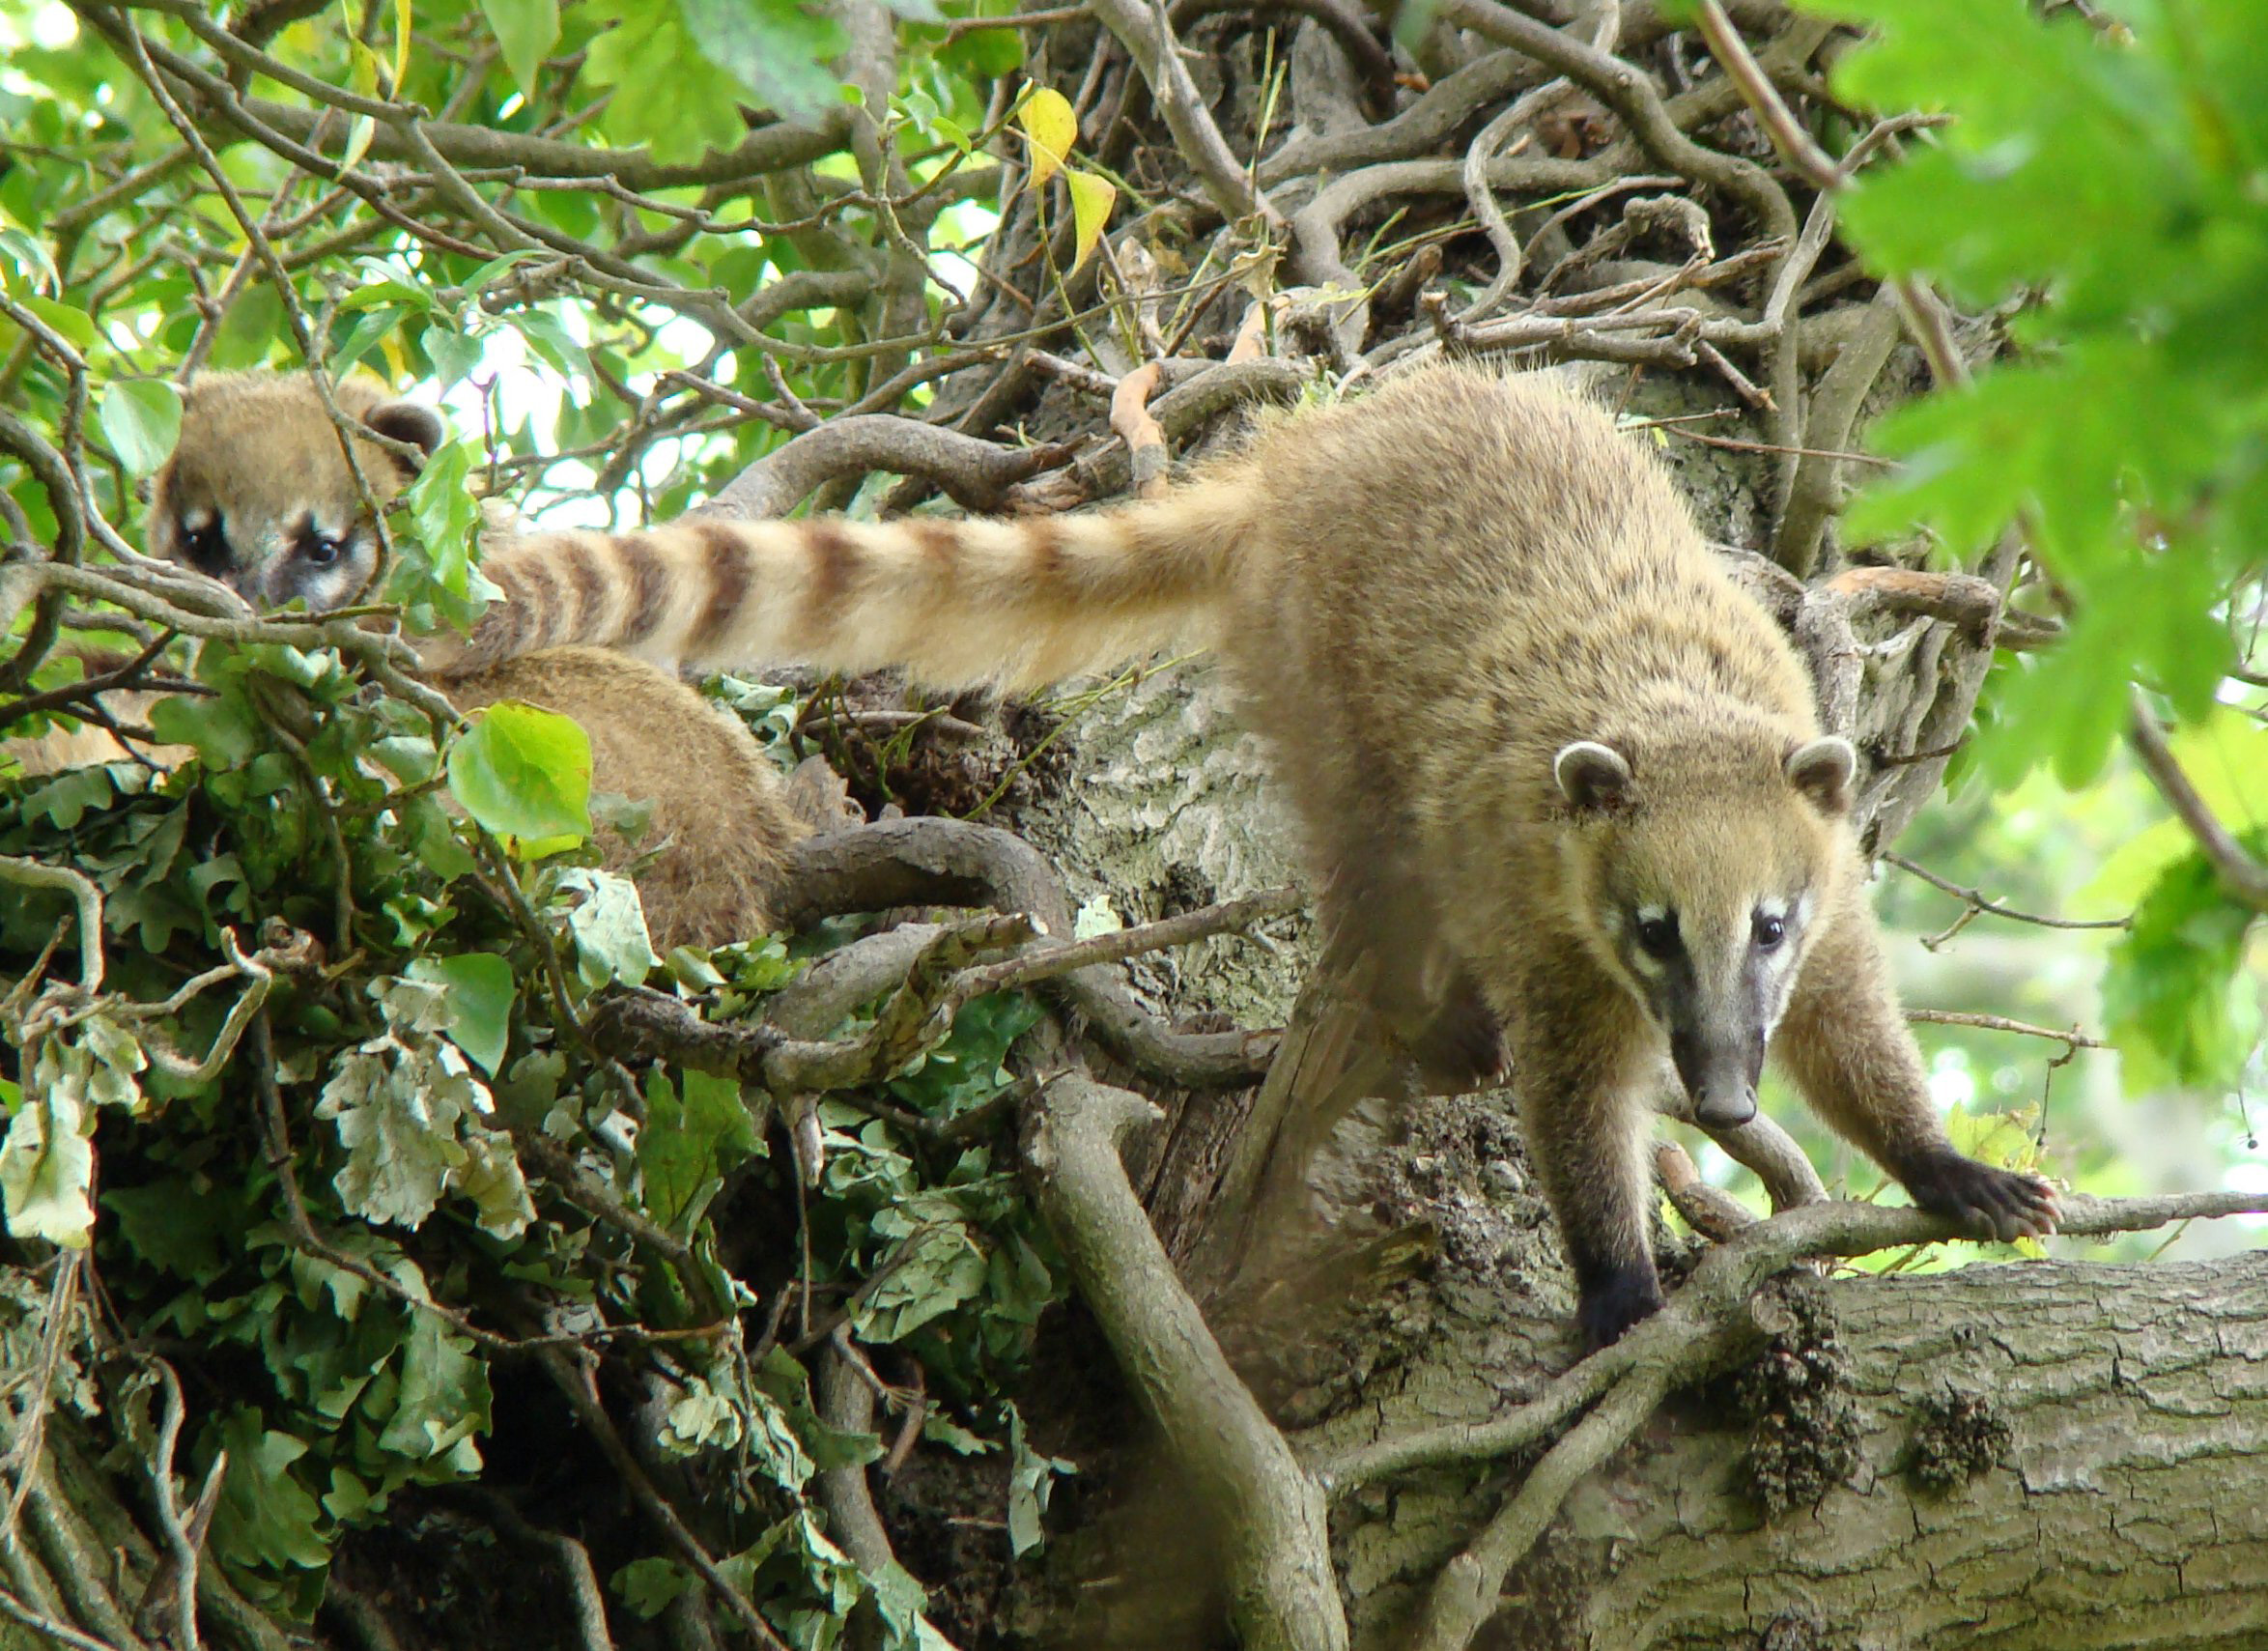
(523, 772)
(454, 355)
(686, 1147)
(406, 1107)
(526, 30)
(177, 1225)
(2171, 992)
(47, 1161)
(266, 1516)
(669, 91)
(73, 322)
(481, 991)
(1031, 1480)
(943, 1269)
(142, 417)
(786, 1383)
(609, 929)
(650, 1587)
(224, 730)
(776, 49)
(443, 1398)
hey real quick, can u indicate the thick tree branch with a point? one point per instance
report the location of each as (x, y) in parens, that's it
(1275, 1544)
(973, 472)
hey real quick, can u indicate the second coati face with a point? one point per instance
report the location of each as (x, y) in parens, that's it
(1699, 891)
(258, 493)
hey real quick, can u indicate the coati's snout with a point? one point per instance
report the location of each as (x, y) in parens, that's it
(1720, 1080)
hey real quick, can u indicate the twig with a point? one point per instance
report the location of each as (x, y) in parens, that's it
(1977, 902)
(972, 472)
(34, 874)
(1045, 962)
(1132, 425)
(2073, 1038)
(1144, 30)
(179, 1568)
(577, 1380)
(2242, 874)
(61, 1634)
(587, 1602)
(1711, 1211)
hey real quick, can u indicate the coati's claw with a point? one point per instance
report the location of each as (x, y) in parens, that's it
(2006, 1205)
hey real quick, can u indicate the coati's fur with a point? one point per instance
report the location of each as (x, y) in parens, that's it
(258, 493)
(1553, 766)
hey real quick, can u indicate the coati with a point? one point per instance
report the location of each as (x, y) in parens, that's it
(1555, 769)
(258, 493)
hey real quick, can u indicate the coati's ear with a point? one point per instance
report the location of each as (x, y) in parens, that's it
(1822, 769)
(413, 421)
(1591, 775)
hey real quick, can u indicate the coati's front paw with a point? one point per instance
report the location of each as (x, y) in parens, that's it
(1611, 1306)
(2002, 1203)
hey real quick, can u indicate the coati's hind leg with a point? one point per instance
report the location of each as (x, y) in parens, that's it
(1461, 1047)
(1383, 938)
(1846, 1045)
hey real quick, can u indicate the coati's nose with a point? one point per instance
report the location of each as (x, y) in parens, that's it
(1721, 1106)
(1722, 1084)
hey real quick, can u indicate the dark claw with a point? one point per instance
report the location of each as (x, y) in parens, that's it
(1612, 1305)
(2001, 1203)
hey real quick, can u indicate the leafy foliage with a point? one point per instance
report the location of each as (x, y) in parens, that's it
(360, 1372)
(2099, 185)
(2106, 185)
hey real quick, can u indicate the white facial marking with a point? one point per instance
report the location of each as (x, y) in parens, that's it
(1651, 914)
(1646, 963)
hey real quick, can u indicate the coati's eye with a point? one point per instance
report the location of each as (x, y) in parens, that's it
(1658, 935)
(1769, 930)
(206, 544)
(321, 550)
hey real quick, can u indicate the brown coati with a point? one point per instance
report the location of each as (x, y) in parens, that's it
(1552, 766)
(257, 493)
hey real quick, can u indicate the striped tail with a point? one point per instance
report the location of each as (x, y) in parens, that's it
(1012, 603)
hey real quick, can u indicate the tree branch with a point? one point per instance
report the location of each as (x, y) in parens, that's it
(2243, 877)
(1284, 1594)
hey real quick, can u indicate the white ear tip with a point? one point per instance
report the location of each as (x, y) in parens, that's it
(1589, 773)
(1823, 766)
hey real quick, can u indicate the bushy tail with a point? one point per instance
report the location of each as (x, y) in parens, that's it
(1013, 603)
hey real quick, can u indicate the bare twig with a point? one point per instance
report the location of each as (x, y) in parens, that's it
(1144, 30)
(1977, 902)
(2073, 1038)
(2242, 873)
(34, 874)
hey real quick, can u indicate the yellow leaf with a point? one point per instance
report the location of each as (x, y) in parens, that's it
(401, 44)
(1091, 200)
(1048, 123)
